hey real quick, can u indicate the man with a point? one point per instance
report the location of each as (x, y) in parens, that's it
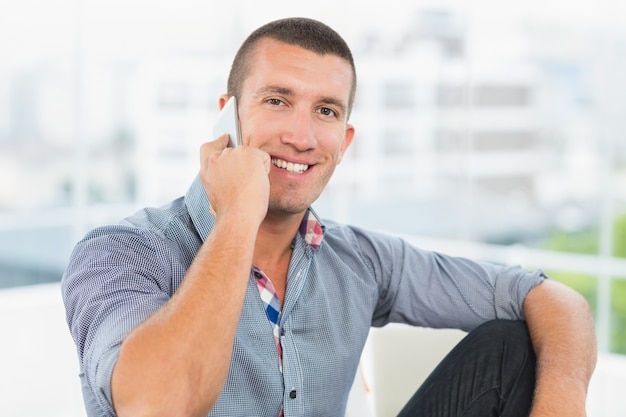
(236, 300)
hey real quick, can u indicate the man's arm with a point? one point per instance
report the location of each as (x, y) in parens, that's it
(562, 330)
(177, 361)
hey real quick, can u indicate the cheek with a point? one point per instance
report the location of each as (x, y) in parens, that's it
(330, 138)
(255, 132)
(333, 145)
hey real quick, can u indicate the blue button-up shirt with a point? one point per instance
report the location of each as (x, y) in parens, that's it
(119, 275)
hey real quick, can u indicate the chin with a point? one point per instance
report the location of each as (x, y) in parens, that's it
(289, 201)
(288, 210)
(289, 207)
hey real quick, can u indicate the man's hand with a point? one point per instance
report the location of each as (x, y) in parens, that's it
(562, 331)
(235, 179)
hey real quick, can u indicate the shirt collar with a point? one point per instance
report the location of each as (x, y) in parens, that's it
(199, 208)
(312, 229)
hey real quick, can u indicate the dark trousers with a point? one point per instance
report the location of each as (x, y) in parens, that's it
(490, 373)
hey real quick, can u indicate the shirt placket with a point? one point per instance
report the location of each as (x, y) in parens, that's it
(272, 310)
(312, 234)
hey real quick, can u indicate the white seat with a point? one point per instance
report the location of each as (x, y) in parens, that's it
(396, 360)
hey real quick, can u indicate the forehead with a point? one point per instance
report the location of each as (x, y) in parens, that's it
(278, 63)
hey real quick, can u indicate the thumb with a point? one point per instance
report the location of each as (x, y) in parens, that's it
(266, 162)
(218, 144)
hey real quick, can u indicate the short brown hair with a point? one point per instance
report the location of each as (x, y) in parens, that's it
(307, 33)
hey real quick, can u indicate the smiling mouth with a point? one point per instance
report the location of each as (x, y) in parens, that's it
(289, 166)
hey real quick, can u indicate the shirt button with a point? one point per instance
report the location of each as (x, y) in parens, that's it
(292, 394)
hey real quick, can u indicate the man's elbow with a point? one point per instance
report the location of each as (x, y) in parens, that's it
(159, 406)
(552, 295)
(149, 397)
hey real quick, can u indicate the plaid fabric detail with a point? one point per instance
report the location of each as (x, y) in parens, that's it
(311, 230)
(272, 307)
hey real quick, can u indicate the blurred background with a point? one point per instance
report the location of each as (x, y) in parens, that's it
(485, 128)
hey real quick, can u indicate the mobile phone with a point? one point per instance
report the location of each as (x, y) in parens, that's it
(228, 122)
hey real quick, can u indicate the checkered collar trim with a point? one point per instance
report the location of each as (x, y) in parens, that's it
(312, 229)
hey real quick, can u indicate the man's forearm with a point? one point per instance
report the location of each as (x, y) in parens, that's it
(179, 357)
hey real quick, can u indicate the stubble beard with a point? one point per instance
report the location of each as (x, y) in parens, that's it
(292, 200)
(288, 201)
(288, 205)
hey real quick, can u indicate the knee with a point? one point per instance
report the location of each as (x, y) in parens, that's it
(509, 346)
(510, 336)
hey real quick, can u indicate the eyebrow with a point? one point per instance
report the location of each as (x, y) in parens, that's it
(276, 89)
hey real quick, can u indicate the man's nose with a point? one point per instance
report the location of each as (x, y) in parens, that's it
(301, 133)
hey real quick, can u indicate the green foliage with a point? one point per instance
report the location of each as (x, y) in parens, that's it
(618, 316)
(619, 238)
(586, 242)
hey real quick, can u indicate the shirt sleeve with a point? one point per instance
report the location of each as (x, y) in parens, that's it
(114, 281)
(430, 289)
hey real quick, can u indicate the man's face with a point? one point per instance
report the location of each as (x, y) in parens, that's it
(293, 106)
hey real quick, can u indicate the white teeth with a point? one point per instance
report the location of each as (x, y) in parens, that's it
(290, 166)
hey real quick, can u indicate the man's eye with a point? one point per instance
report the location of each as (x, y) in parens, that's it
(327, 112)
(274, 101)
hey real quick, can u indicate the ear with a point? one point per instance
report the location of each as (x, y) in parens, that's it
(347, 140)
(222, 100)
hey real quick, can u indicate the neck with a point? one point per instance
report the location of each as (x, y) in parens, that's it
(275, 237)
(272, 251)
